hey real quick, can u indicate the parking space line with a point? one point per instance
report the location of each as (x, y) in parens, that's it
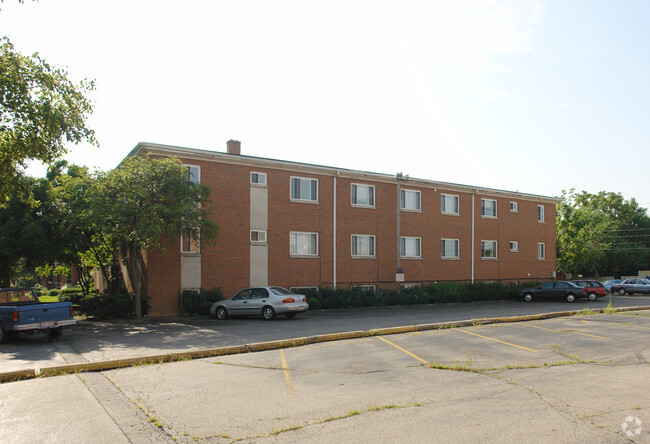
(630, 324)
(564, 331)
(497, 340)
(287, 375)
(405, 351)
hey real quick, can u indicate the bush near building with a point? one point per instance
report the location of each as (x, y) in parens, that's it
(443, 292)
(197, 303)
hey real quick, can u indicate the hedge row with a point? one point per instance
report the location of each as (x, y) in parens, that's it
(197, 303)
(443, 292)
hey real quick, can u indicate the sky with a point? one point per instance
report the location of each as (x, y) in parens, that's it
(531, 96)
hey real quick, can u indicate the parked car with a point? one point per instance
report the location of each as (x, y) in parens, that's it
(594, 289)
(22, 312)
(608, 284)
(554, 290)
(631, 286)
(265, 301)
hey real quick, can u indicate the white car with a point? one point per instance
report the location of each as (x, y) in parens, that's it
(265, 301)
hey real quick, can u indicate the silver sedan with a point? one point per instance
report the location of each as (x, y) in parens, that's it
(265, 301)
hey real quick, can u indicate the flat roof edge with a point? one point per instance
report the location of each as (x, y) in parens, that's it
(143, 147)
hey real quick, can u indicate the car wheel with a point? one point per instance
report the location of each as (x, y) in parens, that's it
(592, 296)
(54, 333)
(621, 292)
(290, 315)
(268, 313)
(570, 298)
(528, 297)
(221, 313)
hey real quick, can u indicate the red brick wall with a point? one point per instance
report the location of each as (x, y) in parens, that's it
(227, 263)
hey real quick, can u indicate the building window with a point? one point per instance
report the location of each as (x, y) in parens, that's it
(189, 243)
(488, 249)
(410, 200)
(410, 247)
(540, 213)
(371, 288)
(514, 246)
(304, 189)
(363, 245)
(363, 195)
(193, 173)
(258, 178)
(514, 207)
(488, 208)
(304, 244)
(449, 204)
(541, 250)
(258, 236)
(450, 248)
(301, 289)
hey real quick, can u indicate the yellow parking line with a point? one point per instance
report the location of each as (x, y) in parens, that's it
(405, 351)
(287, 375)
(497, 340)
(572, 332)
(631, 325)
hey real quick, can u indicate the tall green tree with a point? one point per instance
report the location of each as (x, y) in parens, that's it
(41, 111)
(601, 233)
(144, 204)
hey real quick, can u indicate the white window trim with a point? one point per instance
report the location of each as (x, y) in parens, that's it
(198, 167)
(542, 214)
(304, 287)
(364, 256)
(295, 199)
(541, 257)
(516, 249)
(374, 195)
(259, 174)
(496, 209)
(405, 190)
(364, 287)
(516, 207)
(496, 250)
(198, 244)
(311, 255)
(258, 241)
(400, 247)
(450, 257)
(452, 213)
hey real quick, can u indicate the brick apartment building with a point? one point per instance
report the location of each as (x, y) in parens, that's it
(299, 225)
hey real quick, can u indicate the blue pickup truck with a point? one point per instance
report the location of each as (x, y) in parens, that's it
(22, 312)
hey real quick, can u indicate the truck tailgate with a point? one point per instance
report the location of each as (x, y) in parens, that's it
(55, 311)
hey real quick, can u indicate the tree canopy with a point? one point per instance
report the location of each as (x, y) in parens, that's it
(602, 233)
(41, 111)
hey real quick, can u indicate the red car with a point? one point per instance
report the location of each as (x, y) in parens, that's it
(594, 289)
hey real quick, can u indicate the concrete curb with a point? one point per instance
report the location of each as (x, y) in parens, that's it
(284, 343)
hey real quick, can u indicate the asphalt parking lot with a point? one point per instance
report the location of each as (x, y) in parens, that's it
(566, 379)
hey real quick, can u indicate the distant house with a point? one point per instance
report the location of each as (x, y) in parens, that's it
(298, 225)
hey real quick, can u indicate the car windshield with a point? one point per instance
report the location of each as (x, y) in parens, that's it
(280, 291)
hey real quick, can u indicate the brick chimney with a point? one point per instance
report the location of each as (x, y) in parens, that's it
(234, 147)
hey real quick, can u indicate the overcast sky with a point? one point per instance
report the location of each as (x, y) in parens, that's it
(534, 96)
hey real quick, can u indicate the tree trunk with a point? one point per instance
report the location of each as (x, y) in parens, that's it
(134, 275)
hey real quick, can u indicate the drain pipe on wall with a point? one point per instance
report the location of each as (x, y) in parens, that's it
(334, 234)
(473, 210)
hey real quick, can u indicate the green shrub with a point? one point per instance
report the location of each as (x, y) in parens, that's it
(105, 306)
(72, 294)
(53, 292)
(194, 303)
